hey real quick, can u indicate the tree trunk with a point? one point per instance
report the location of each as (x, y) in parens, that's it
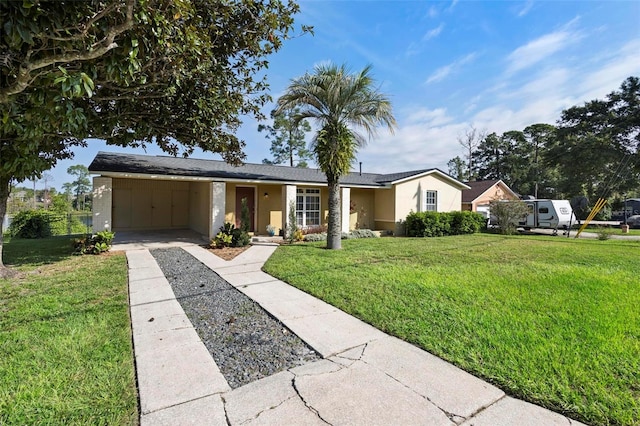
(334, 231)
(4, 197)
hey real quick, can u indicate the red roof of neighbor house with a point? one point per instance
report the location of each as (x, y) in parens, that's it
(477, 189)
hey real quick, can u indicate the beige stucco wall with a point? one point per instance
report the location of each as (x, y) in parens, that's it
(150, 204)
(384, 209)
(409, 195)
(361, 209)
(199, 206)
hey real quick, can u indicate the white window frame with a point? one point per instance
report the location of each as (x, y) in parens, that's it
(303, 216)
(430, 203)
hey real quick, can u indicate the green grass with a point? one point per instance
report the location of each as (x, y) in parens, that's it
(65, 338)
(552, 320)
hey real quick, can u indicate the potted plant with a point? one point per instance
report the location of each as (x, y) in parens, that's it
(271, 230)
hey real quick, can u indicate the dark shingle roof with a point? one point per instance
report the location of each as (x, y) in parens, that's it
(106, 162)
(477, 189)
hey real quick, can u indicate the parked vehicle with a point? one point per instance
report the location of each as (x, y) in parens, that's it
(548, 214)
(633, 221)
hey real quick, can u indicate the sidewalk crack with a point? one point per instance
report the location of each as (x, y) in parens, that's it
(313, 410)
(265, 410)
(226, 414)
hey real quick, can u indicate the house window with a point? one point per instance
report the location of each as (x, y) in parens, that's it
(308, 207)
(430, 201)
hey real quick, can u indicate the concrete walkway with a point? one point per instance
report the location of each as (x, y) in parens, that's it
(366, 377)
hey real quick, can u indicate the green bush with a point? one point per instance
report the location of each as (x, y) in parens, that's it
(363, 233)
(466, 222)
(604, 233)
(427, 224)
(356, 233)
(31, 224)
(67, 224)
(230, 236)
(240, 238)
(221, 240)
(315, 237)
(44, 223)
(434, 224)
(98, 243)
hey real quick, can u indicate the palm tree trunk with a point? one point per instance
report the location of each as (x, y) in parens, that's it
(334, 229)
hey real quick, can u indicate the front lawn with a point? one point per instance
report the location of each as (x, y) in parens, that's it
(65, 337)
(552, 320)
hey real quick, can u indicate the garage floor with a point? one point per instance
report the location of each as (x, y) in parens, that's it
(132, 240)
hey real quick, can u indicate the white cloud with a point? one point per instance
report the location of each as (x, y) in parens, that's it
(622, 63)
(541, 48)
(525, 9)
(443, 72)
(433, 33)
(440, 74)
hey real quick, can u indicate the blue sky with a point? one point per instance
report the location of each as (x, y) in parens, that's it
(449, 65)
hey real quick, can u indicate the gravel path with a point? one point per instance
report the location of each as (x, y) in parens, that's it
(244, 340)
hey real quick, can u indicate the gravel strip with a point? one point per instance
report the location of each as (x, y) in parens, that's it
(245, 341)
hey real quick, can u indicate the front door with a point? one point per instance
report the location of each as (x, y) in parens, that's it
(249, 194)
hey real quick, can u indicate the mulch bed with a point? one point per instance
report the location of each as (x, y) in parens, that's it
(227, 253)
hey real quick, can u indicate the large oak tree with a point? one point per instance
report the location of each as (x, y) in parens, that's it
(176, 73)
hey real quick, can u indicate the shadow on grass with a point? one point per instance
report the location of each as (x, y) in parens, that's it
(18, 252)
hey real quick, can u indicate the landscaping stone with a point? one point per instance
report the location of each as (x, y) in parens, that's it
(244, 340)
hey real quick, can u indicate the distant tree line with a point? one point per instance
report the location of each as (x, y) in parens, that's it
(593, 150)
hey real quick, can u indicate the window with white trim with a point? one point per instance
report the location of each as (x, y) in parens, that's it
(308, 207)
(430, 201)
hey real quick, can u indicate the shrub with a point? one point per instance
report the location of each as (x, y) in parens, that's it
(466, 222)
(604, 233)
(357, 233)
(221, 240)
(66, 224)
(315, 229)
(230, 236)
(31, 224)
(507, 214)
(427, 224)
(239, 238)
(435, 224)
(363, 233)
(315, 237)
(97, 243)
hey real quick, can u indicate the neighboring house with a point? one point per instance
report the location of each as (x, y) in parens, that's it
(140, 192)
(481, 193)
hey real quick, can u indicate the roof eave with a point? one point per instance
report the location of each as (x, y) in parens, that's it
(445, 176)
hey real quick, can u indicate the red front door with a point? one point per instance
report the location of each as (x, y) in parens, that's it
(249, 194)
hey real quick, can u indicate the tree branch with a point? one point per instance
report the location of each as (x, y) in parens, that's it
(24, 77)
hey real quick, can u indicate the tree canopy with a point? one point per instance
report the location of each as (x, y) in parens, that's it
(288, 144)
(178, 74)
(343, 104)
(593, 150)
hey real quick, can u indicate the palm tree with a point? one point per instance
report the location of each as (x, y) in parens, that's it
(342, 104)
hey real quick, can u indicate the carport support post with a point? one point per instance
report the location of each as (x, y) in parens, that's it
(218, 207)
(288, 196)
(102, 202)
(346, 209)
